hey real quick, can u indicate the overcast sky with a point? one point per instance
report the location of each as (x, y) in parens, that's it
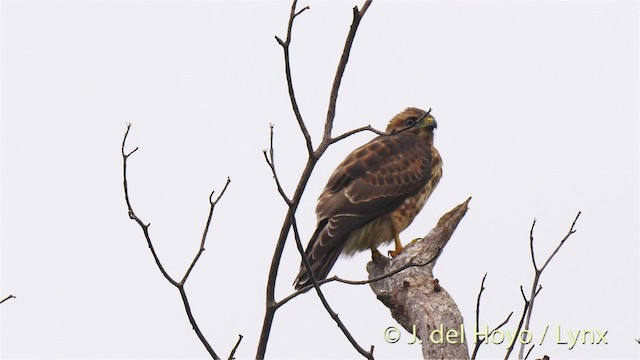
(537, 109)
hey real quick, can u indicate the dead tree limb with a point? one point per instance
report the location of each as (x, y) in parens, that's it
(145, 230)
(323, 299)
(415, 297)
(232, 354)
(535, 286)
(313, 157)
(7, 298)
(478, 339)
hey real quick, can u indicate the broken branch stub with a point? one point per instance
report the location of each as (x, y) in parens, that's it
(416, 299)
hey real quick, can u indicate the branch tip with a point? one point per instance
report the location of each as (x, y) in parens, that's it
(224, 189)
(313, 156)
(528, 352)
(235, 347)
(301, 11)
(7, 298)
(145, 230)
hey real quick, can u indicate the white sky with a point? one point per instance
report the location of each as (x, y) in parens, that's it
(537, 107)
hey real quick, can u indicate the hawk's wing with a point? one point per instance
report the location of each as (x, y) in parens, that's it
(376, 175)
(372, 181)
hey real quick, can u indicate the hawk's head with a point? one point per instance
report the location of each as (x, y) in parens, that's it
(414, 120)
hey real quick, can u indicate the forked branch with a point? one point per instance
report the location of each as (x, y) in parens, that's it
(527, 310)
(270, 159)
(272, 305)
(287, 71)
(145, 230)
(480, 340)
(342, 65)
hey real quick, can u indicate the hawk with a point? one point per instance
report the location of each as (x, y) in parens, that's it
(375, 193)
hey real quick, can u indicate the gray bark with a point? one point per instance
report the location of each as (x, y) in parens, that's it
(416, 298)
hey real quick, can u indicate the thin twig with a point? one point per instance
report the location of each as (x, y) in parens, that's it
(342, 65)
(355, 131)
(272, 165)
(517, 332)
(479, 341)
(194, 324)
(325, 303)
(145, 230)
(477, 336)
(533, 255)
(354, 282)
(287, 70)
(7, 298)
(235, 347)
(132, 214)
(571, 231)
(271, 305)
(503, 323)
(529, 352)
(535, 287)
(369, 128)
(212, 205)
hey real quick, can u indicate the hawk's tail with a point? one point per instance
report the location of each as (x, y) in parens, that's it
(321, 257)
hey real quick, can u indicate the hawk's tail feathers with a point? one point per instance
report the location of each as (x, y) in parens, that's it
(321, 258)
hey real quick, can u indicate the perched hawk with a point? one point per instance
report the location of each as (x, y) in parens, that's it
(375, 193)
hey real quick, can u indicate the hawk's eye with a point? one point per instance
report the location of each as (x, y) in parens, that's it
(410, 121)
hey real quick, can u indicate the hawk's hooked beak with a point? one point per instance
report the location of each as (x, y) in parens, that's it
(429, 122)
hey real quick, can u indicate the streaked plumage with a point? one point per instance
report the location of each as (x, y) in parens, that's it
(375, 193)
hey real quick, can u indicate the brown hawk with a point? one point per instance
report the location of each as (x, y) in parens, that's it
(375, 193)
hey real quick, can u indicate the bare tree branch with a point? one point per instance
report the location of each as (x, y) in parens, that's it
(416, 299)
(535, 287)
(212, 204)
(353, 282)
(145, 230)
(517, 332)
(132, 214)
(342, 65)
(571, 231)
(479, 341)
(355, 131)
(477, 337)
(287, 70)
(325, 303)
(235, 347)
(528, 303)
(7, 298)
(272, 165)
(529, 352)
(271, 305)
(503, 323)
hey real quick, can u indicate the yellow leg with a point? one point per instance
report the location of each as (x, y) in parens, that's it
(398, 243)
